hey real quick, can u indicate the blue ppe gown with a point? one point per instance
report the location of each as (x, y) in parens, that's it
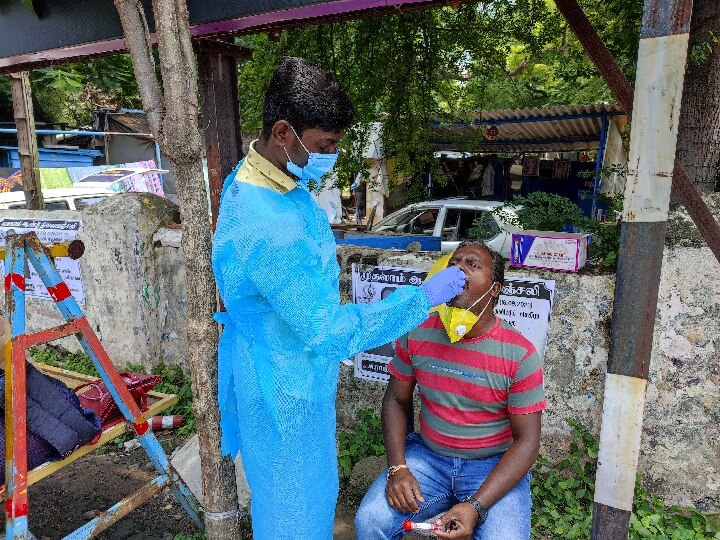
(274, 258)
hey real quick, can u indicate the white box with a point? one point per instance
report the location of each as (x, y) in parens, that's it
(550, 250)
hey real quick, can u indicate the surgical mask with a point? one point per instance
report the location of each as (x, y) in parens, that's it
(457, 321)
(318, 164)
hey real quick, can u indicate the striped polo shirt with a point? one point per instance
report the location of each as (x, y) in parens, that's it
(469, 388)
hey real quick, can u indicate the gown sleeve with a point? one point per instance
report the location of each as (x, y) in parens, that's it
(285, 268)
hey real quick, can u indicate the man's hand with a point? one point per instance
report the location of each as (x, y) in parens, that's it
(403, 491)
(459, 522)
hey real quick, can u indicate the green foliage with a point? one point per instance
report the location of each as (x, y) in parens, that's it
(700, 52)
(78, 362)
(412, 69)
(563, 499)
(366, 440)
(563, 493)
(545, 212)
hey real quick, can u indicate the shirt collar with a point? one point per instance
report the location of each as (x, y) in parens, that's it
(262, 166)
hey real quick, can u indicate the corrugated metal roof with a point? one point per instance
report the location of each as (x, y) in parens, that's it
(569, 127)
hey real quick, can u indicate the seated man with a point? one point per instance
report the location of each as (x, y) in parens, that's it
(481, 390)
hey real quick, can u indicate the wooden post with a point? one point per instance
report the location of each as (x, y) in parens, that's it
(27, 142)
(656, 110)
(221, 112)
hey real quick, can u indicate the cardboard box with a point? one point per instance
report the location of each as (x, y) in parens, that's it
(549, 250)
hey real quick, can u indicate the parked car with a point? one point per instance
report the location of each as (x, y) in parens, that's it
(451, 220)
(58, 199)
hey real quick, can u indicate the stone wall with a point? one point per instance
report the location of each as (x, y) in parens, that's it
(134, 283)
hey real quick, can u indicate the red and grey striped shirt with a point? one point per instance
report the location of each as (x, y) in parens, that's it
(469, 388)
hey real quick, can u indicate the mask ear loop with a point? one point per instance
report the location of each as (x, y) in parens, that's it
(483, 296)
(299, 140)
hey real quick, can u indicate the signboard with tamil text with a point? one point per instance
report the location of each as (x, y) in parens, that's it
(48, 231)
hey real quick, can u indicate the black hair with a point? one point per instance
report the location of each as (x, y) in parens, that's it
(498, 263)
(307, 97)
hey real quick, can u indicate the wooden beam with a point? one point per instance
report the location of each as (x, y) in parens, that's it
(224, 48)
(221, 116)
(27, 141)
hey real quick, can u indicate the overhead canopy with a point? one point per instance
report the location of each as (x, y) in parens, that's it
(566, 128)
(66, 30)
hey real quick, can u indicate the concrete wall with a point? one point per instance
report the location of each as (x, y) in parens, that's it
(132, 297)
(134, 281)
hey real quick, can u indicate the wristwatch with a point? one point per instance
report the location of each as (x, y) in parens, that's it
(477, 505)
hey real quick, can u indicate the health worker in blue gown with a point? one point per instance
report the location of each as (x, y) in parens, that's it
(285, 331)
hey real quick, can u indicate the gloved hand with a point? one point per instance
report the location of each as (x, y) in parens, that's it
(444, 286)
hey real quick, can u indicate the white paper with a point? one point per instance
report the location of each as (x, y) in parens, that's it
(48, 231)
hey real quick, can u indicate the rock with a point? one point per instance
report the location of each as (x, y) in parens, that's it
(413, 247)
(131, 445)
(186, 461)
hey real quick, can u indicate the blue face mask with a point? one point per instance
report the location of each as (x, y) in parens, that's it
(318, 164)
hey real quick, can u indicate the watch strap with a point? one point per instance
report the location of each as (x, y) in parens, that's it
(479, 508)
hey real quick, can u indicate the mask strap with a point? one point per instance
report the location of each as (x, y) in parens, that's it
(299, 140)
(483, 296)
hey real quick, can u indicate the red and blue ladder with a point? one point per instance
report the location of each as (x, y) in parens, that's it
(18, 249)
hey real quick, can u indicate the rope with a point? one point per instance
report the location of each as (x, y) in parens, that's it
(219, 516)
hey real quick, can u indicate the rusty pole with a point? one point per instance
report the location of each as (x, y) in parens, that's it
(656, 111)
(623, 92)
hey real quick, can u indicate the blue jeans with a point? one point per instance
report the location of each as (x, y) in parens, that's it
(444, 481)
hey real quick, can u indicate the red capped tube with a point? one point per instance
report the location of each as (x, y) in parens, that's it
(413, 526)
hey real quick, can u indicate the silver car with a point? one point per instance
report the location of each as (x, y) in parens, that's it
(451, 220)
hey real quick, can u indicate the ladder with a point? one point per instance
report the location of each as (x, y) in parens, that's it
(18, 250)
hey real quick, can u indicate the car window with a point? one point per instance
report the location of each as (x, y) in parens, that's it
(56, 205)
(52, 205)
(476, 225)
(450, 227)
(84, 202)
(414, 221)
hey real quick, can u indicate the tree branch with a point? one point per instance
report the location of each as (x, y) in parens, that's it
(137, 41)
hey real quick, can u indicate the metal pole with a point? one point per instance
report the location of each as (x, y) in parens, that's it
(81, 132)
(660, 75)
(599, 162)
(16, 503)
(623, 92)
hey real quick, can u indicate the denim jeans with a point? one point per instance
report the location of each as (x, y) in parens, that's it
(444, 481)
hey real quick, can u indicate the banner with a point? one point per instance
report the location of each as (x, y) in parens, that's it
(48, 231)
(525, 303)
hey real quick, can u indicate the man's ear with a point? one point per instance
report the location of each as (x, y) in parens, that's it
(496, 289)
(281, 134)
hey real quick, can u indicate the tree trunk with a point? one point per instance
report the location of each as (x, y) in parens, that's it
(176, 129)
(698, 147)
(27, 142)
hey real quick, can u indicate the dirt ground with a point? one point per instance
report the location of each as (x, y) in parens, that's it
(66, 500)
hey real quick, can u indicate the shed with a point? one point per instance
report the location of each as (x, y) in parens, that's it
(570, 128)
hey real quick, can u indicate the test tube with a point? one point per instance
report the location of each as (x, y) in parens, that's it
(413, 526)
